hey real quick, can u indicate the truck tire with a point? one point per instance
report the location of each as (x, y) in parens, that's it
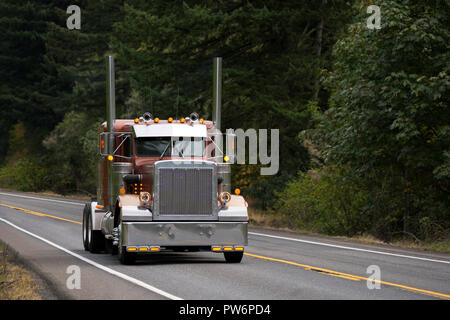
(93, 240)
(85, 226)
(233, 257)
(125, 257)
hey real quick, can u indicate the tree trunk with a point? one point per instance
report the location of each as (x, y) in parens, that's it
(318, 53)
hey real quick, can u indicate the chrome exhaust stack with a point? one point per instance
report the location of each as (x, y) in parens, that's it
(111, 117)
(217, 91)
(223, 169)
(110, 94)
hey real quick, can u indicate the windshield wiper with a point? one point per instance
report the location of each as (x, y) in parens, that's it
(164, 152)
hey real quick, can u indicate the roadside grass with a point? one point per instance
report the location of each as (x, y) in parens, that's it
(266, 220)
(78, 196)
(16, 283)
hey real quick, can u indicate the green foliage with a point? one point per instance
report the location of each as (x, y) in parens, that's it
(25, 175)
(389, 115)
(327, 201)
(22, 48)
(270, 61)
(390, 90)
(73, 152)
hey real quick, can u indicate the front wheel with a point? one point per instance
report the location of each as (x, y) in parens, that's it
(87, 208)
(233, 257)
(93, 240)
(126, 257)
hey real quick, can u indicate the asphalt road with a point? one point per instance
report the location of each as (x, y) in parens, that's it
(46, 232)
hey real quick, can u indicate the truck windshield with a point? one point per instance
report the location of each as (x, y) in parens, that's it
(170, 146)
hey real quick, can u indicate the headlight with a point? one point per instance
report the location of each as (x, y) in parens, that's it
(225, 197)
(145, 197)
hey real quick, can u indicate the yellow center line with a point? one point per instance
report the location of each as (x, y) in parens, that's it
(351, 276)
(306, 267)
(40, 214)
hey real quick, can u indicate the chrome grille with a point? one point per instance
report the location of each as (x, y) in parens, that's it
(185, 191)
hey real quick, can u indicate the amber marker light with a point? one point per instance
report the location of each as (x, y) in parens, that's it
(182, 120)
(122, 191)
(110, 158)
(226, 158)
(136, 120)
(156, 120)
(201, 120)
(237, 191)
(170, 120)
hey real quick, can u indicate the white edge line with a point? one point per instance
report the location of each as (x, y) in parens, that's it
(99, 266)
(348, 248)
(42, 199)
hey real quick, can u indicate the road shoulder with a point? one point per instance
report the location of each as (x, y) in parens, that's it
(55, 268)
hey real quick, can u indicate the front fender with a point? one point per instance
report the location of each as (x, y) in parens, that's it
(131, 209)
(234, 210)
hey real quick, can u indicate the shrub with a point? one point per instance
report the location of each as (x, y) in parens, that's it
(328, 201)
(25, 175)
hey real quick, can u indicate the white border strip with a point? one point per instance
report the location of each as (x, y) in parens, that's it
(42, 199)
(348, 248)
(99, 266)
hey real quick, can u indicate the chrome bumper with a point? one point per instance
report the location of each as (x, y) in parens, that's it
(166, 234)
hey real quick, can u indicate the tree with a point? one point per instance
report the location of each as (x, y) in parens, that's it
(22, 48)
(270, 65)
(389, 115)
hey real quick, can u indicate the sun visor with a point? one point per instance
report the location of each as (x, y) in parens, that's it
(170, 130)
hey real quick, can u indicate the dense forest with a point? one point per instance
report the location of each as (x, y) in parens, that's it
(363, 113)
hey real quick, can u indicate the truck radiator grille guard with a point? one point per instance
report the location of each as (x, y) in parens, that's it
(185, 190)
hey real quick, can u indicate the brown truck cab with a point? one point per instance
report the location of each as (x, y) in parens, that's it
(163, 185)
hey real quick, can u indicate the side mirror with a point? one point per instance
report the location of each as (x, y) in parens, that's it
(103, 144)
(107, 145)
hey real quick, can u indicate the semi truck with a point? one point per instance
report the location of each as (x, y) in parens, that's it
(164, 185)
